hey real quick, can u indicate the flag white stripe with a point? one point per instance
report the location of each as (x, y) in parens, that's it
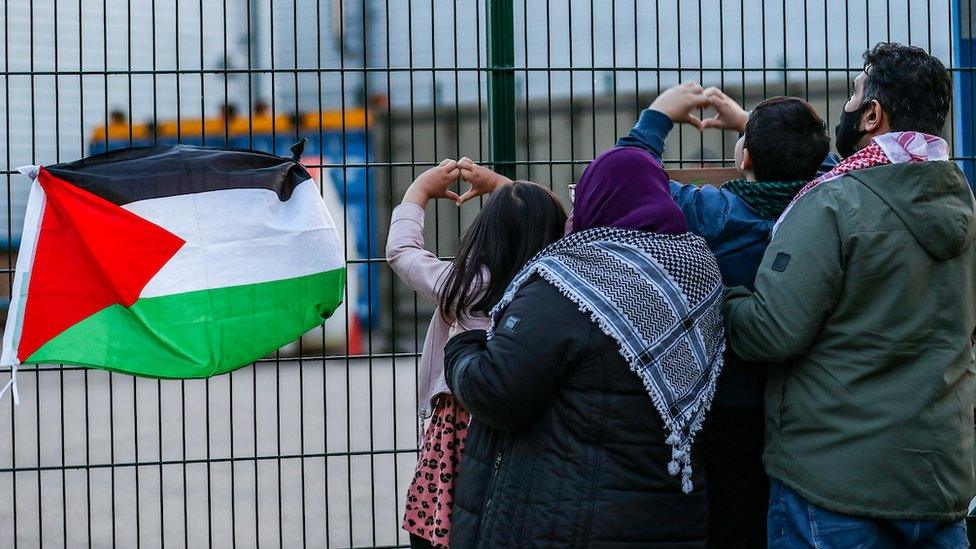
(25, 261)
(242, 236)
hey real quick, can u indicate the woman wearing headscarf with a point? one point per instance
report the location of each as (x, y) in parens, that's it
(596, 372)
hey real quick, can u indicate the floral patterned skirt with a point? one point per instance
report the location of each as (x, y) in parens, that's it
(429, 498)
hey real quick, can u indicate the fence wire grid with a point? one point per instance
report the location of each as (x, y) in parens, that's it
(316, 445)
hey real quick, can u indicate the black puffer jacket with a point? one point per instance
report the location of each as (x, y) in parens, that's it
(566, 448)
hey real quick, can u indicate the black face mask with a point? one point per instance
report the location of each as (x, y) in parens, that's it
(846, 134)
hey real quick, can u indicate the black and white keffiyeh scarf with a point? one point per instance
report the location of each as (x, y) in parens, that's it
(659, 297)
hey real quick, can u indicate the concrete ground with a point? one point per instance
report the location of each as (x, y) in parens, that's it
(346, 451)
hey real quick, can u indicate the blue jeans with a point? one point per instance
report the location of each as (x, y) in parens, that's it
(794, 522)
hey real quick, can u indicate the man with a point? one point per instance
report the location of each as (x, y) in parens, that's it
(866, 296)
(784, 142)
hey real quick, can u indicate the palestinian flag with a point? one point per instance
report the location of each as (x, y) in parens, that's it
(171, 262)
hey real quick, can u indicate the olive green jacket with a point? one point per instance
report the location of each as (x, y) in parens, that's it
(867, 297)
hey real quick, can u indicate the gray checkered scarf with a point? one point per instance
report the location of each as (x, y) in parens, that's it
(660, 298)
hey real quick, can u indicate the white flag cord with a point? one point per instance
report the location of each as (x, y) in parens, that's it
(12, 385)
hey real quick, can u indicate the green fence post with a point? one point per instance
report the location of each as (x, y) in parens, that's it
(501, 86)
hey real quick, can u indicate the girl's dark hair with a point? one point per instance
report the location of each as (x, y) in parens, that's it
(517, 221)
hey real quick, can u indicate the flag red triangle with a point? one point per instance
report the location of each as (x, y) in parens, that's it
(90, 254)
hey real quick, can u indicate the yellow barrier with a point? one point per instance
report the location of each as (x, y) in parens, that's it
(350, 119)
(260, 124)
(120, 132)
(192, 127)
(333, 120)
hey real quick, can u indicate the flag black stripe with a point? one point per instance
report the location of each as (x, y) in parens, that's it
(129, 175)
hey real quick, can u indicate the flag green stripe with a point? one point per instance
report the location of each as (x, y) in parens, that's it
(197, 334)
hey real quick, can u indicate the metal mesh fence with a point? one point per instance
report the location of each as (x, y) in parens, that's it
(316, 444)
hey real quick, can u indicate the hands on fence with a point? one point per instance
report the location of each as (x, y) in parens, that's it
(678, 102)
(481, 179)
(434, 183)
(729, 114)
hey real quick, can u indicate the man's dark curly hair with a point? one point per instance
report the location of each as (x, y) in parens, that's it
(913, 87)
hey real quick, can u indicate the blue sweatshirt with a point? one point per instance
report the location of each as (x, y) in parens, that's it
(737, 235)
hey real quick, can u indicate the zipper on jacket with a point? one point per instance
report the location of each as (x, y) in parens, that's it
(491, 493)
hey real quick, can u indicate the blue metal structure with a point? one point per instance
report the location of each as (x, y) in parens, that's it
(965, 90)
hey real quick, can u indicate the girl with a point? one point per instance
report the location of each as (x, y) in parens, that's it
(517, 221)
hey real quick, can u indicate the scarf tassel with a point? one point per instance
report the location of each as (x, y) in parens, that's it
(681, 461)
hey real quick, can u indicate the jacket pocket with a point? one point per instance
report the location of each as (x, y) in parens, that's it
(775, 400)
(495, 468)
(782, 402)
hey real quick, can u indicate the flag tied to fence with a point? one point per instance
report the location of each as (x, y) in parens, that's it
(170, 262)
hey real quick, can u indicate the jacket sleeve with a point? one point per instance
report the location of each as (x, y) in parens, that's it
(798, 284)
(418, 267)
(505, 382)
(706, 208)
(650, 133)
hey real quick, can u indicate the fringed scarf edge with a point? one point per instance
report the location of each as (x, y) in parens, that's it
(680, 437)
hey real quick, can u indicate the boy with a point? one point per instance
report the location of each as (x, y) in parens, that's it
(783, 143)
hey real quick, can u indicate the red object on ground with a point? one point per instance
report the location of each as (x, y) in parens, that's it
(355, 346)
(90, 254)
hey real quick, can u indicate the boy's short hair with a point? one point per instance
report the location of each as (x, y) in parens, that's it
(787, 140)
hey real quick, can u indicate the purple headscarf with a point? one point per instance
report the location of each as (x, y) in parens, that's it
(626, 188)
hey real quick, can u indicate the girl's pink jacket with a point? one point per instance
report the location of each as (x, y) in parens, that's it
(424, 272)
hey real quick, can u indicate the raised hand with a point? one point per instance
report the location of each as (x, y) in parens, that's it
(729, 115)
(677, 102)
(482, 180)
(434, 183)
